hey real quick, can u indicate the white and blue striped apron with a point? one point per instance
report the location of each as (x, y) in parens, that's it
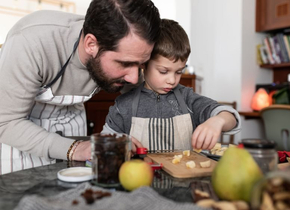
(65, 113)
(163, 133)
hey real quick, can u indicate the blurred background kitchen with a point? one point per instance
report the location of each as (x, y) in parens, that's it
(223, 40)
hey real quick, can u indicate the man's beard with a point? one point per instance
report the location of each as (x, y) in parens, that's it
(98, 75)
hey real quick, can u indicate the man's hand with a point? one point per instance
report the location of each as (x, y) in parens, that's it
(83, 151)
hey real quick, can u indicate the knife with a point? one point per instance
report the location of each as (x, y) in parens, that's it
(165, 150)
(141, 153)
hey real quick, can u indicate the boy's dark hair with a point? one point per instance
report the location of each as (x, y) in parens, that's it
(173, 42)
(111, 20)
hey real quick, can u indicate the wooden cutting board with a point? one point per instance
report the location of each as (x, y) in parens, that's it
(180, 170)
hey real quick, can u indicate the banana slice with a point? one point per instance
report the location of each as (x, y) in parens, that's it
(197, 150)
(205, 164)
(186, 153)
(217, 146)
(190, 164)
(176, 160)
(177, 157)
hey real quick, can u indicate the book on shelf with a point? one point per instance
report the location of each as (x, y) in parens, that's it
(278, 48)
(287, 45)
(276, 57)
(283, 47)
(263, 53)
(269, 50)
(259, 58)
(274, 49)
(288, 37)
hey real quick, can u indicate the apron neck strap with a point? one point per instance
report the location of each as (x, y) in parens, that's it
(136, 99)
(60, 73)
(180, 100)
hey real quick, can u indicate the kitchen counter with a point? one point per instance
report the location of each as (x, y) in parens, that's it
(43, 181)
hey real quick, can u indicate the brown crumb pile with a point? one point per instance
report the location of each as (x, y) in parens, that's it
(91, 196)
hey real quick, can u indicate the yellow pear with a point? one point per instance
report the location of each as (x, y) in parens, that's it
(235, 175)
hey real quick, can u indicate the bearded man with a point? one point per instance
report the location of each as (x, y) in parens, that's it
(52, 62)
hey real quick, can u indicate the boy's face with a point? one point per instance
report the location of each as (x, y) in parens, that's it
(162, 74)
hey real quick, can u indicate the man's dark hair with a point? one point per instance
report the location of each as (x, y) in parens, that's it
(111, 20)
(173, 42)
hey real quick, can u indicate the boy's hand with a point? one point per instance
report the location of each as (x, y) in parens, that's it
(135, 144)
(207, 134)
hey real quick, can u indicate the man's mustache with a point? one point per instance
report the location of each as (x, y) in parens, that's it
(123, 82)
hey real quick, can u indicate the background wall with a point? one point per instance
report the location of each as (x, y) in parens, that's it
(8, 16)
(223, 41)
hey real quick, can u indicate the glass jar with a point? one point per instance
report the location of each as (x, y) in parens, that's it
(265, 193)
(109, 152)
(263, 152)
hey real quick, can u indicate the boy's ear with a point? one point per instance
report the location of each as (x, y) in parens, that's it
(91, 45)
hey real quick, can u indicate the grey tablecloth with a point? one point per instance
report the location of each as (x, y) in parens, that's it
(144, 198)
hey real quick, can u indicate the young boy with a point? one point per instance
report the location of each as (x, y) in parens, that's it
(161, 114)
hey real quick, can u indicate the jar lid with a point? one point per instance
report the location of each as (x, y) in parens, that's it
(258, 143)
(75, 174)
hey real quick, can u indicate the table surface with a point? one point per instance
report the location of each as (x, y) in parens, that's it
(43, 181)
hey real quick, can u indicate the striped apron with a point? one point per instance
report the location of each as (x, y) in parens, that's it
(162, 133)
(65, 113)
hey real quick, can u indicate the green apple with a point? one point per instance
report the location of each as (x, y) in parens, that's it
(134, 174)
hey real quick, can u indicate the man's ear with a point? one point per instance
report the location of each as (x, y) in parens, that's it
(91, 45)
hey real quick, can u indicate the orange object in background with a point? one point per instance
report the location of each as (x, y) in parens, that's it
(271, 100)
(260, 100)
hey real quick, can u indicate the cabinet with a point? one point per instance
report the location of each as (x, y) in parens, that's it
(97, 109)
(193, 81)
(98, 106)
(273, 16)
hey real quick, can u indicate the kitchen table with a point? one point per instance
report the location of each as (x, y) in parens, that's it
(43, 181)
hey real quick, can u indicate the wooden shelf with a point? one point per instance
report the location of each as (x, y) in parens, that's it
(192, 76)
(275, 66)
(280, 71)
(250, 115)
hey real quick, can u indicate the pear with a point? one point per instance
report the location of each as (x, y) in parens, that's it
(235, 175)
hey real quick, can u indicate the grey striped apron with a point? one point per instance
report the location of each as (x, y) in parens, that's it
(162, 133)
(64, 113)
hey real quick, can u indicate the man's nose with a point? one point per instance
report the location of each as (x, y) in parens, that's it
(132, 75)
